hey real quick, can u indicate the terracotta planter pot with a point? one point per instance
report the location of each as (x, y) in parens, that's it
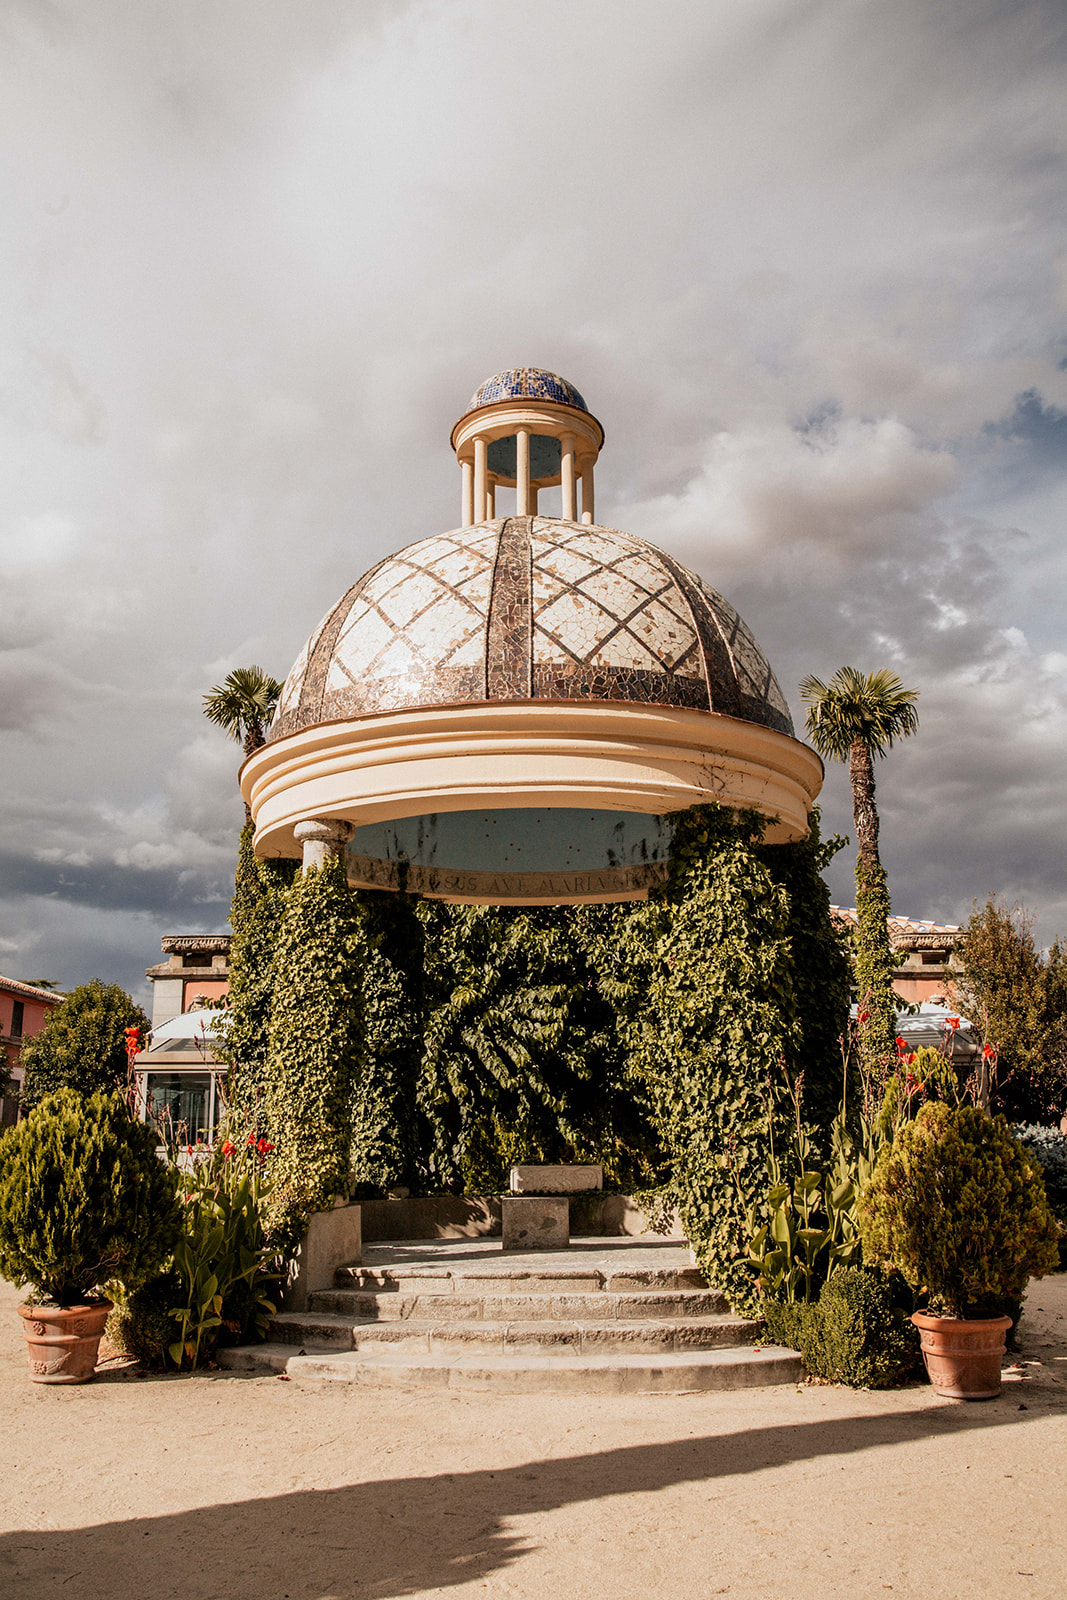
(63, 1341)
(963, 1357)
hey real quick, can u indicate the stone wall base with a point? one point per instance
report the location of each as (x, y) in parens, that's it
(334, 1239)
(479, 1217)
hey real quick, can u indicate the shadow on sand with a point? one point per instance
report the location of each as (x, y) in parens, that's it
(397, 1536)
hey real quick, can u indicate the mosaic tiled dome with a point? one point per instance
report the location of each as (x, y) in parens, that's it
(529, 608)
(526, 383)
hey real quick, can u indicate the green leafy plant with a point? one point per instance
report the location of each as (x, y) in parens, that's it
(316, 1049)
(958, 1207)
(222, 1262)
(82, 1045)
(84, 1199)
(808, 1225)
(522, 1058)
(706, 984)
(856, 1333)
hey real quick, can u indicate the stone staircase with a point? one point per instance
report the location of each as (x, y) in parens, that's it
(606, 1316)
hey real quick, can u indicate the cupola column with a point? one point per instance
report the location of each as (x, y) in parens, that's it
(490, 499)
(588, 508)
(570, 503)
(320, 838)
(481, 452)
(466, 510)
(522, 472)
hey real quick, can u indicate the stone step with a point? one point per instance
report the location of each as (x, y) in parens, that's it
(523, 1373)
(314, 1332)
(599, 1306)
(494, 1280)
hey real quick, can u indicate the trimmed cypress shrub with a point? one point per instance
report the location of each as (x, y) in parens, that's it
(84, 1199)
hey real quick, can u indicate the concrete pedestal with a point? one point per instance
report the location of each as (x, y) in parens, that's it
(334, 1239)
(535, 1222)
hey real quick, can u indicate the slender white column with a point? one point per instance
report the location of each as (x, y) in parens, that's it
(490, 498)
(481, 451)
(522, 472)
(466, 511)
(321, 838)
(570, 503)
(587, 491)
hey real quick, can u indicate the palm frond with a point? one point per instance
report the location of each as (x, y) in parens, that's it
(873, 707)
(243, 704)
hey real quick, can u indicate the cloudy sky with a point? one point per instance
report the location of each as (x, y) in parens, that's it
(806, 259)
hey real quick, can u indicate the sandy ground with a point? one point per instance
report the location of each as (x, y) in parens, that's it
(218, 1486)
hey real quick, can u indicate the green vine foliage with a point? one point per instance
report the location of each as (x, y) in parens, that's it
(316, 1047)
(875, 967)
(706, 984)
(257, 912)
(386, 1124)
(522, 1058)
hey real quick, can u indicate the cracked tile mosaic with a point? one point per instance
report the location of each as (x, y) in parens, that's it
(530, 607)
(526, 383)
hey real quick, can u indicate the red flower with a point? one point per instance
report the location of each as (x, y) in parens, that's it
(251, 1139)
(901, 1044)
(952, 1022)
(264, 1148)
(228, 1147)
(988, 1052)
(864, 1016)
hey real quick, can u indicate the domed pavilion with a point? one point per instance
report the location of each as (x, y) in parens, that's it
(505, 713)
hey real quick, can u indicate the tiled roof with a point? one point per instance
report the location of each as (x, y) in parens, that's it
(30, 991)
(901, 927)
(530, 608)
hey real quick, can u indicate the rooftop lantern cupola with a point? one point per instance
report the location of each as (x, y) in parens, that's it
(526, 429)
(507, 712)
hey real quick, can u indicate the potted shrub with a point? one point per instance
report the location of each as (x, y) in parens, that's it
(84, 1201)
(958, 1207)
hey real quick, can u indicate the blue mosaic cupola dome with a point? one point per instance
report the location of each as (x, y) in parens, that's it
(526, 383)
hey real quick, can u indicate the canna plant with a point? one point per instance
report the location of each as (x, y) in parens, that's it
(221, 1260)
(806, 1227)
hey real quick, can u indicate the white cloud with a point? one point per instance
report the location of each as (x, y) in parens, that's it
(257, 256)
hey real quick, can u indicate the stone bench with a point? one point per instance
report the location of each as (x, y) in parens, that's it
(536, 1215)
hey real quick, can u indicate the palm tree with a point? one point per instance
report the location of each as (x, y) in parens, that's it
(853, 718)
(857, 717)
(243, 705)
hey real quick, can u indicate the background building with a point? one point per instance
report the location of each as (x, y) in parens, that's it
(23, 1012)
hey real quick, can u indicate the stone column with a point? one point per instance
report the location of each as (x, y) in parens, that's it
(570, 503)
(522, 472)
(466, 511)
(481, 453)
(587, 491)
(490, 499)
(321, 837)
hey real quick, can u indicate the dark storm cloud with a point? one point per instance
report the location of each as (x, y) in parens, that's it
(258, 256)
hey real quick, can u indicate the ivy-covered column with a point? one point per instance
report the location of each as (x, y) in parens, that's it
(713, 1011)
(316, 1043)
(256, 914)
(385, 1115)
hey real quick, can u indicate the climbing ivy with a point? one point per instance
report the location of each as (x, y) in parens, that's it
(708, 997)
(256, 915)
(875, 966)
(820, 978)
(385, 1121)
(315, 1047)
